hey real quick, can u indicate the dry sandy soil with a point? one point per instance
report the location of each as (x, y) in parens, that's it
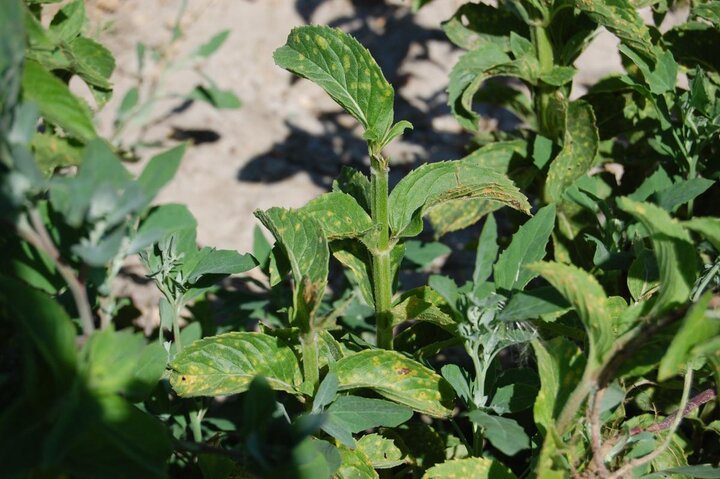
(285, 144)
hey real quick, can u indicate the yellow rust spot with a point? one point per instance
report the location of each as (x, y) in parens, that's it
(346, 62)
(403, 371)
(321, 42)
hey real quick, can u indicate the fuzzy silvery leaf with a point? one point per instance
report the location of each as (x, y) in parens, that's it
(226, 364)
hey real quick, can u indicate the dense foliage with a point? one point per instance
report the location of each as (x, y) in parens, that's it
(585, 343)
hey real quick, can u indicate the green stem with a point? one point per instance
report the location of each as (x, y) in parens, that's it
(310, 358)
(381, 266)
(196, 425)
(177, 307)
(543, 92)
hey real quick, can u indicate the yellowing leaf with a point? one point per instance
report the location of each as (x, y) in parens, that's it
(397, 378)
(470, 467)
(226, 364)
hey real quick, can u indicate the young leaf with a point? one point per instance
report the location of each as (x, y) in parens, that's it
(459, 379)
(503, 433)
(339, 215)
(57, 104)
(207, 49)
(579, 149)
(159, 171)
(397, 378)
(355, 184)
(382, 452)
(586, 295)
(226, 364)
(675, 253)
(354, 256)
(220, 261)
(345, 70)
(326, 392)
(527, 246)
(470, 467)
(435, 183)
(696, 328)
(357, 413)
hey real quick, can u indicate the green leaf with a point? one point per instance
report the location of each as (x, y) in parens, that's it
(435, 183)
(422, 304)
(345, 70)
(226, 364)
(459, 379)
(696, 328)
(422, 254)
(159, 171)
(513, 398)
(354, 256)
(700, 471)
(221, 262)
(560, 365)
(52, 152)
(398, 378)
(527, 246)
(675, 253)
(355, 465)
(708, 227)
(642, 278)
(68, 22)
(326, 392)
(357, 413)
(486, 251)
(621, 18)
(658, 181)
(217, 97)
(586, 295)
(579, 149)
(475, 24)
(710, 11)
(355, 184)
(505, 434)
(93, 62)
(110, 359)
(305, 245)
(470, 467)
(382, 452)
(558, 75)
(207, 49)
(533, 304)
(542, 151)
(662, 77)
(681, 192)
(339, 215)
(57, 104)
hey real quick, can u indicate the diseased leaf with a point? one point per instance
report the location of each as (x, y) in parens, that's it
(346, 71)
(710, 11)
(355, 465)
(675, 253)
(226, 364)
(53, 152)
(579, 149)
(397, 378)
(475, 24)
(558, 76)
(621, 18)
(586, 295)
(57, 104)
(435, 183)
(382, 452)
(560, 365)
(470, 467)
(696, 328)
(357, 413)
(527, 246)
(339, 215)
(303, 242)
(503, 433)
(355, 184)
